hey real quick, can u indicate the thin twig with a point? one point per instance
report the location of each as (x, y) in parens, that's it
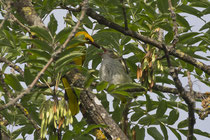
(21, 24)
(22, 109)
(12, 65)
(124, 14)
(4, 85)
(12, 102)
(8, 12)
(26, 91)
(124, 121)
(19, 70)
(26, 113)
(190, 82)
(175, 25)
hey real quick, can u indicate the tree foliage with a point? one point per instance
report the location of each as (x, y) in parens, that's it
(160, 49)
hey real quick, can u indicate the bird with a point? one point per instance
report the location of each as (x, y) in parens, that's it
(114, 71)
(70, 94)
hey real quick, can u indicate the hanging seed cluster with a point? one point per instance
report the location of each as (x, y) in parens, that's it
(54, 114)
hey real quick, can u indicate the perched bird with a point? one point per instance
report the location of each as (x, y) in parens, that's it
(114, 71)
(70, 94)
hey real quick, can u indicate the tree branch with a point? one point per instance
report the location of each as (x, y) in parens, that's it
(93, 110)
(26, 91)
(8, 12)
(12, 65)
(26, 113)
(175, 25)
(26, 9)
(191, 110)
(18, 69)
(189, 100)
(165, 89)
(124, 14)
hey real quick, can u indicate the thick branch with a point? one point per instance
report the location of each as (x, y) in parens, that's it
(189, 100)
(93, 110)
(26, 9)
(191, 110)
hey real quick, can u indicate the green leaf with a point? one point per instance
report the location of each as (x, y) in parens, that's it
(163, 6)
(68, 135)
(125, 40)
(190, 67)
(164, 80)
(173, 117)
(162, 107)
(96, 61)
(16, 133)
(148, 103)
(175, 133)
(91, 127)
(199, 132)
(140, 133)
(39, 53)
(66, 59)
(182, 21)
(52, 25)
(28, 129)
(152, 131)
(137, 115)
(202, 4)
(146, 120)
(205, 26)
(41, 32)
(28, 77)
(149, 10)
(164, 130)
(41, 44)
(198, 71)
(184, 132)
(62, 35)
(111, 88)
(186, 36)
(88, 23)
(183, 124)
(53, 137)
(206, 11)
(190, 10)
(118, 93)
(169, 37)
(101, 86)
(89, 80)
(13, 82)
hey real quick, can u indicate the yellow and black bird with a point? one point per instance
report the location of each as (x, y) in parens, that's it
(70, 94)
